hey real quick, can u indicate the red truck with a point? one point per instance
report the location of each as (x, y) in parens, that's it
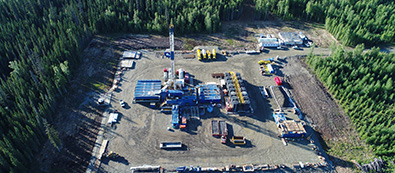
(278, 81)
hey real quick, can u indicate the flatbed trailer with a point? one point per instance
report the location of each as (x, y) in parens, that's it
(223, 128)
(215, 130)
(224, 131)
(170, 145)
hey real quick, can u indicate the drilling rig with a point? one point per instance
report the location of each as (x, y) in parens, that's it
(173, 71)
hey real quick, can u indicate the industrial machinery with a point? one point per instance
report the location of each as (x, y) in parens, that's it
(266, 61)
(238, 140)
(111, 155)
(224, 53)
(177, 95)
(288, 128)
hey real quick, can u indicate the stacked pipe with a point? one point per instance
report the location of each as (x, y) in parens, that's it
(238, 95)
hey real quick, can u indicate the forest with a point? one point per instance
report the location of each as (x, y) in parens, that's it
(363, 83)
(352, 22)
(41, 45)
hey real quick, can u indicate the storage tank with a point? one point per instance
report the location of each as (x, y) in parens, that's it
(181, 74)
(270, 68)
(214, 54)
(165, 74)
(199, 55)
(204, 54)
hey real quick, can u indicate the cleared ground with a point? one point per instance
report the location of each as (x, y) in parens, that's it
(140, 129)
(325, 116)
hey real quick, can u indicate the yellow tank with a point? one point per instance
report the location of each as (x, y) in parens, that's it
(208, 54)
(214, 54)
(262, 62)
(199, 55)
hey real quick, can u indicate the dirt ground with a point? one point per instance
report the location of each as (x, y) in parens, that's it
(241, 35)
(235, 35)
(140, 129)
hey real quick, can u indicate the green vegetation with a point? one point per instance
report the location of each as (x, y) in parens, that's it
(363, 85)
(230, 41)
(353, 22)
(40, 46)
(350, 149)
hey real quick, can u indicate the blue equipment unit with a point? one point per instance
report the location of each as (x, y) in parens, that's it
(181, 169)
(175, 120)
(145, 91)
(279, 117)
(209, 94)
(171, 94)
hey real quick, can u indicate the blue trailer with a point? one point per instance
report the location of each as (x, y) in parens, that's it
(175, 120)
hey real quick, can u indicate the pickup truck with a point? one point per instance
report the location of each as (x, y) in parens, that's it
(238, 140)
(122, 103)
(297, 48)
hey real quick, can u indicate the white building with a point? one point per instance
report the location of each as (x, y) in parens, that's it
(131, 55)
(290, 38)
(268, 42)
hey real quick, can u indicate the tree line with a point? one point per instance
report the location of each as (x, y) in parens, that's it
(41, 41)
(363, 83)
(352, 22)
